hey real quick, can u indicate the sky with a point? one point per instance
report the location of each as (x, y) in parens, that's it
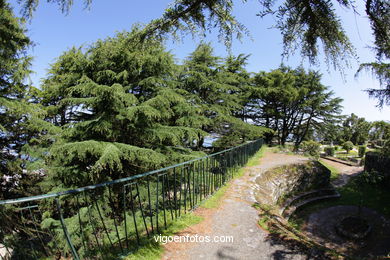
(54, 32)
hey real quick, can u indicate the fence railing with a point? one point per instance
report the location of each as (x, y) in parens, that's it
(114, 218)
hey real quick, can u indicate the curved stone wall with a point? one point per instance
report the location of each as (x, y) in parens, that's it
(275, 186)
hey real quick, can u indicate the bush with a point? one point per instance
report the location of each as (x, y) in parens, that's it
(329, 150)
(362, 150)
(363, 161)
(386, 149)
(373, 177)
(377, 162)
(348, 146)
(311, 147)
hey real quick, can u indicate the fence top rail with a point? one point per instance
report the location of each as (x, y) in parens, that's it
(126, 179)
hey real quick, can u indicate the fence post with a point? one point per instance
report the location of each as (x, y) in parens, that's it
(66, 234)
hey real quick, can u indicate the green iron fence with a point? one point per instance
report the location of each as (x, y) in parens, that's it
(109, 219)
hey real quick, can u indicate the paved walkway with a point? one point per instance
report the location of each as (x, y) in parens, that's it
(236, 218)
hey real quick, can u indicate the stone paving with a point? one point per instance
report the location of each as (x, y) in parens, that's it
(237, 218)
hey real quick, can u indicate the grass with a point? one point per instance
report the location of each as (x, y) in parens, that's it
(345, 154)
(254, 160)
(355, 193)
(334, 172)
(152, 250)
(215, 200)
(287, 149)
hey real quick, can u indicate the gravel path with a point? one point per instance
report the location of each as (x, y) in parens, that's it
(236, 218)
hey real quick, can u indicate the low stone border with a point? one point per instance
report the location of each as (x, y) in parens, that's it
(290, 207)
(340, 161)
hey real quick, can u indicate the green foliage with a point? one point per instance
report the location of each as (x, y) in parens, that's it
(304, 23)
(357, 192)
(153, 250)
(20, 112)
(292, 103)
(362, 150)
(334, 172)
(254, 160)
(386, 149)
(355, 129)
(311, 148)
(14, 107)
(381, 71)
(218, 88)
(379, 15)
(380, 130)
(347, 146)
(373, 177)
(120, 109)
(330, 150)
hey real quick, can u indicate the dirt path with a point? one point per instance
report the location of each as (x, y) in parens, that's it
(235, 218)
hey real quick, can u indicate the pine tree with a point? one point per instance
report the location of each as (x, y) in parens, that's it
(19, 112)
(291, 102)
(216, 88)
(120, 110)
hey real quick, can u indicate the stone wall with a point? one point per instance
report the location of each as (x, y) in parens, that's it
(276, 185)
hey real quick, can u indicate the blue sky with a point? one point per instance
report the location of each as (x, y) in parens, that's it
(54, 33)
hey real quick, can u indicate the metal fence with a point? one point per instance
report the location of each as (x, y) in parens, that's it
(114, 218)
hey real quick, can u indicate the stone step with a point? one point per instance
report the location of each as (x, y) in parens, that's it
(309, 194)
(290, 210)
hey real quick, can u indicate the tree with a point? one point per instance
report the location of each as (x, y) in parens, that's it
(292, 103)
(379, 131)
(20, 125)
(121, 111)
(319, 108)
(356, 129)
(378, 12)
(19, 112)
(348, 146)
(385, 151)
(311, 148)
(330, 132)
(303, 24)
(269, 97)
(216, 88)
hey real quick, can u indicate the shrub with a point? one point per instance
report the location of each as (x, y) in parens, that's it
(373, 177)
(348, 146)
(386, 149)
(311, 147)
(362, 162)
(362, 150)
(378, 162)
(329, 150)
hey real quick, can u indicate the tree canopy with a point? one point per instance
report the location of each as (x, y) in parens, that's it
(217, 87)
(120, 109)
(292, 103)
(20, 115)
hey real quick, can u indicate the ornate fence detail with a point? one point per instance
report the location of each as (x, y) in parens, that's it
(108, 219)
